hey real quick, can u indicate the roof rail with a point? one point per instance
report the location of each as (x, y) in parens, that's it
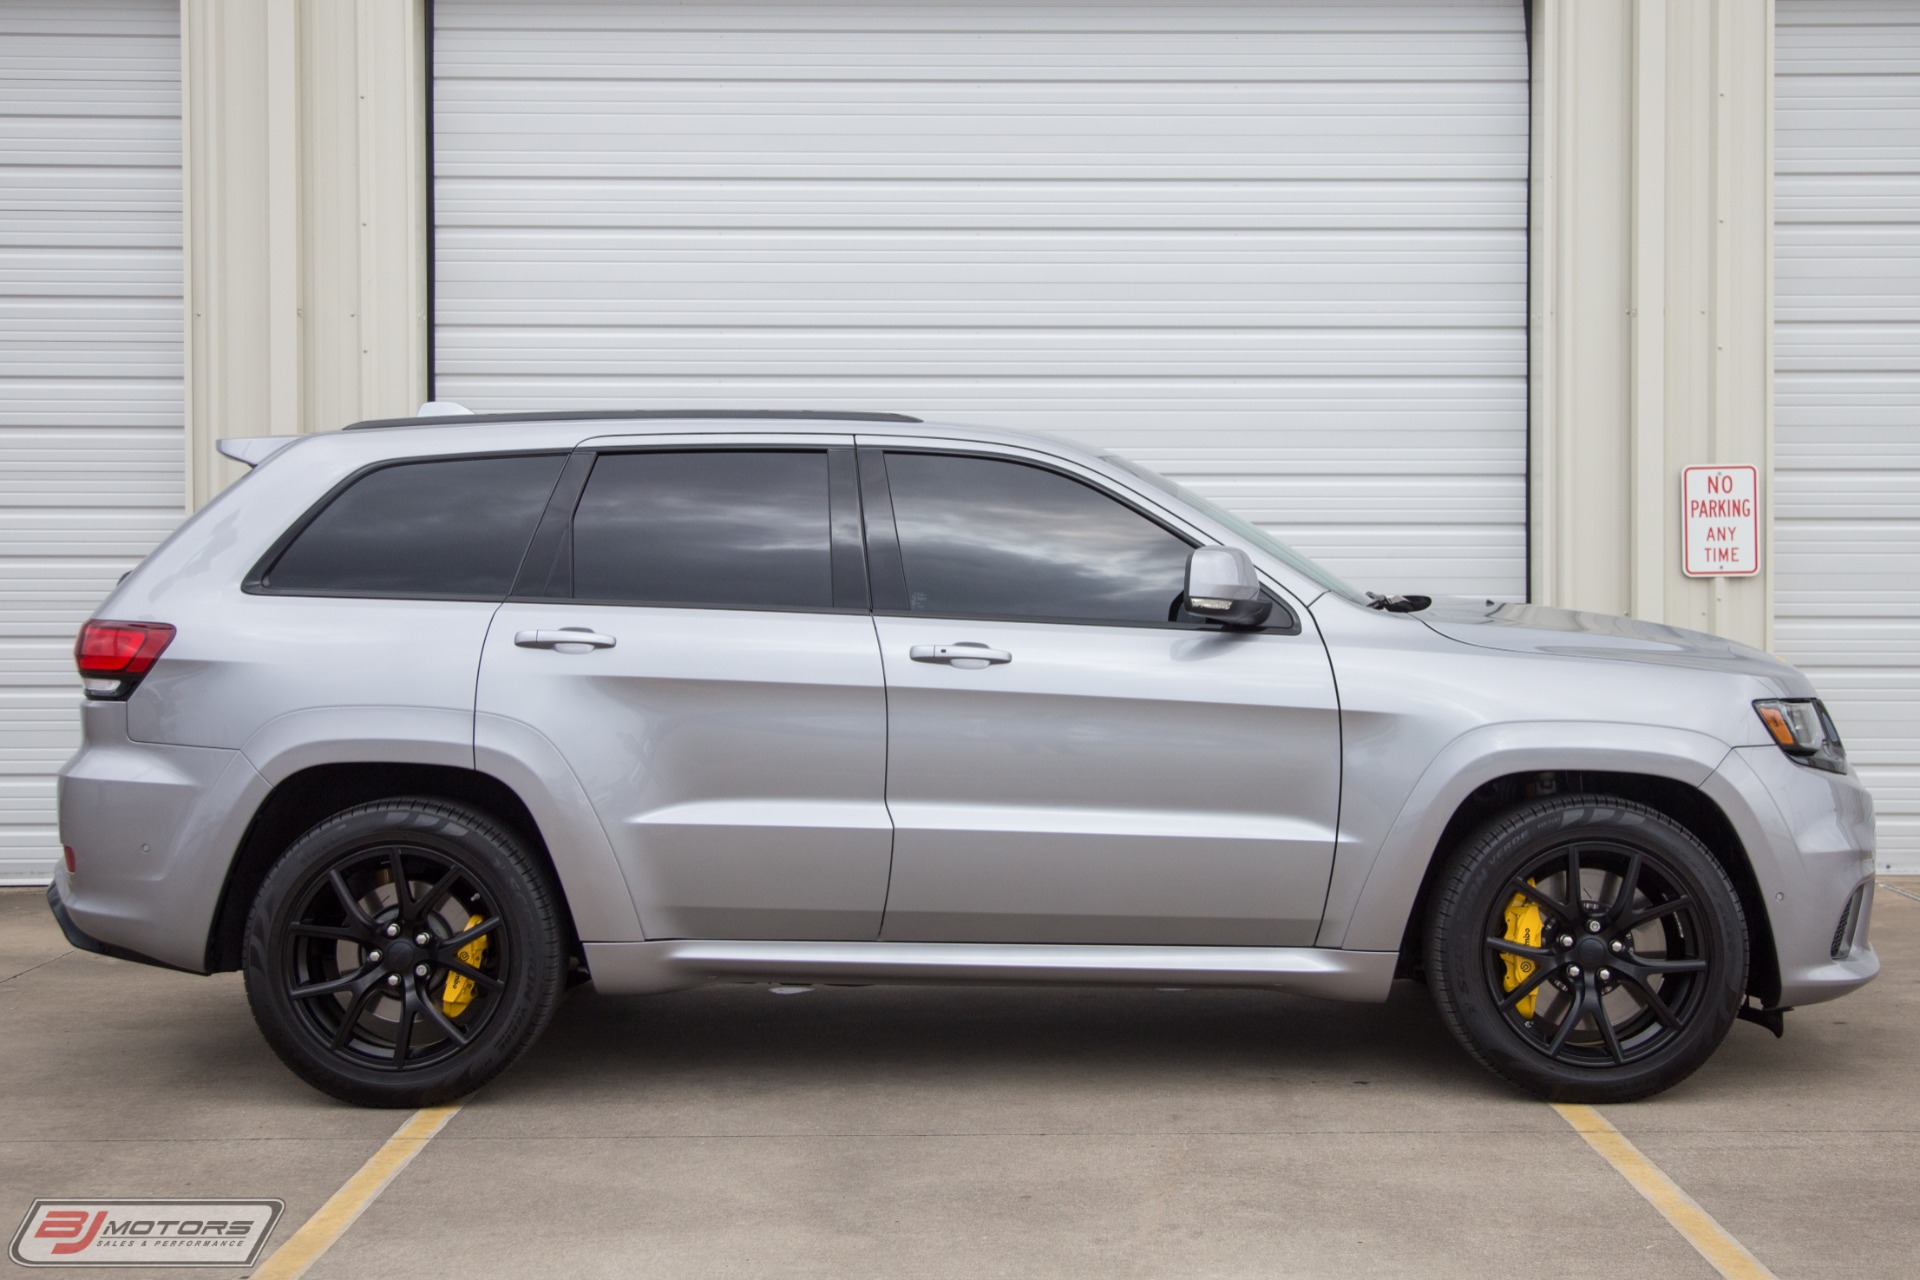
(445, 417)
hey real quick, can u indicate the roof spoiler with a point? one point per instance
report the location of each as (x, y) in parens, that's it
(254, 450)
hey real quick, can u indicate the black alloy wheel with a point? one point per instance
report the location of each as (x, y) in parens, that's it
(1587, 949)
(403, 952)
(372, 956)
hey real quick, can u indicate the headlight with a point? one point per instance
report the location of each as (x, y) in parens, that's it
(1804, 731)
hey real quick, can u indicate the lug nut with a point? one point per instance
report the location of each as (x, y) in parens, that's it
(373, 957)
(1606, 975)
(1566, 939)
(1593, 926)
(419, 971)
(422, 939)
(393, 979)
(1617, 947)
(393, 931)
(1573, 971)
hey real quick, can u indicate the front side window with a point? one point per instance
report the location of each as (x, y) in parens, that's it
(450, 528)
(987, 537)
(725, 528)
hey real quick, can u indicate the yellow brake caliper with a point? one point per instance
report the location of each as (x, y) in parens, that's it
(1524, 926)
(459, 992)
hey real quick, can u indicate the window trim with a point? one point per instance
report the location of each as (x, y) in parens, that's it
(553, 536)
(257, 582)
(887, 564)
(552, 540)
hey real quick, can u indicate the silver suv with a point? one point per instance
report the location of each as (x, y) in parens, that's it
(427, 720)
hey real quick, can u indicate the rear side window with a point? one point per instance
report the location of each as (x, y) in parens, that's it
(724, 528)
(448, 528)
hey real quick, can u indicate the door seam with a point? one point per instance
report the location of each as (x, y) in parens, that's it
(886, 775)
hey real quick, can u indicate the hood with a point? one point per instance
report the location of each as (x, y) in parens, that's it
(1568, 633)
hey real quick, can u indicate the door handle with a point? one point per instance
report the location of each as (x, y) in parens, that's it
(564, 636)
(968, 654)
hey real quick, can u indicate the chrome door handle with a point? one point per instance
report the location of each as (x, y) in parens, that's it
(564, 636)
(965, 653)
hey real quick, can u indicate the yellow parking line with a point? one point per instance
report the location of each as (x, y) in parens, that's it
(1728, 1256)
(317, 1235)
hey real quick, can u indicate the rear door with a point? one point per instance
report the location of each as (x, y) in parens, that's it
(723, 702)
(1071, 758)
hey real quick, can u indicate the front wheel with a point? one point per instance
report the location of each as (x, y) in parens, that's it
(403, 953)
(1587, 949)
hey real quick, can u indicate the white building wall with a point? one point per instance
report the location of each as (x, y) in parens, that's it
(1650, 329)
(1847, 517)
(1275, 249)
(91, 441)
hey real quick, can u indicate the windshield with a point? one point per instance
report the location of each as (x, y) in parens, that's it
(1253, 533)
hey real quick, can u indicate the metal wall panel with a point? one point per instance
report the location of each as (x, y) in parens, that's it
(90, 359)
(1276, 249)
(1847, 383)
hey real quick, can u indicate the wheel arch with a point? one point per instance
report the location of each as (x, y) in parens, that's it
(1376, 894)
(1686, 804)
(316, 792)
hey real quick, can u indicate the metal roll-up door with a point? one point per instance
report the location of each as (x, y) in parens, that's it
(1847, 383)
(1276, 249)
(90, 360)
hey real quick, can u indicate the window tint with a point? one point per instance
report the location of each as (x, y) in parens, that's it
(452, 528)
(724, 527)
(981, 536)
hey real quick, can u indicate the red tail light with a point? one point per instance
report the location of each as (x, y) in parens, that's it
(112, 656)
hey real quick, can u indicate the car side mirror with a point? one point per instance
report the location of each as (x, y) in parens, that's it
(1222, 587)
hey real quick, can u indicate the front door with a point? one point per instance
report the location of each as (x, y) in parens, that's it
(701, 654)
(1071, 758)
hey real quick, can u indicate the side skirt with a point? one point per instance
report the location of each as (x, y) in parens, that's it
(631, 968)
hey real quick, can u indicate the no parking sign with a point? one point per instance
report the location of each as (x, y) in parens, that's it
(1720, 519)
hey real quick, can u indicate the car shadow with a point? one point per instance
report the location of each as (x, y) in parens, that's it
(953, 1036)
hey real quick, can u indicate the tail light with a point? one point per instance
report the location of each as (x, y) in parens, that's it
(113, 656)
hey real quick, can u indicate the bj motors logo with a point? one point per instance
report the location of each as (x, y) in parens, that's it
(144, 1233)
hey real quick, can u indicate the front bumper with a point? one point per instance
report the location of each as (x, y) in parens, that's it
(1809, 837)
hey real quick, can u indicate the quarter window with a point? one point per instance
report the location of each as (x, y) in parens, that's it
(452, 528)
(730, 528)
(985, 537)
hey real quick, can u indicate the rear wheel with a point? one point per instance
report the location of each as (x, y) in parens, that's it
(403, 953)
(1587, 949)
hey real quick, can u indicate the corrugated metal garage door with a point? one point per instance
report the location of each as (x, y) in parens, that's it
(1273, 248)
(1847, 382)
(90, 365)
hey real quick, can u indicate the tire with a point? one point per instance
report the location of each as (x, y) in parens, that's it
(348, 994)
(1665, 961)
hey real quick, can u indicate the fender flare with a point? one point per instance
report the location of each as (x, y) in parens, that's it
(1370, 898)
(512, 754)
(299, 740)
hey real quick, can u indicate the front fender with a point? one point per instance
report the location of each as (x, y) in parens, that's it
(1374, 885)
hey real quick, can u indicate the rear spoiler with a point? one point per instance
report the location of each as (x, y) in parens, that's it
(254, 450)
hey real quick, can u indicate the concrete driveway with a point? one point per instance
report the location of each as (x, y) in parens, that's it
(970, 1132)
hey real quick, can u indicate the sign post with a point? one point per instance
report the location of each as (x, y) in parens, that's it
(1720, 521)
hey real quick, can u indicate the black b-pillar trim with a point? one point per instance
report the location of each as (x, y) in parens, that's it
(886, 571)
